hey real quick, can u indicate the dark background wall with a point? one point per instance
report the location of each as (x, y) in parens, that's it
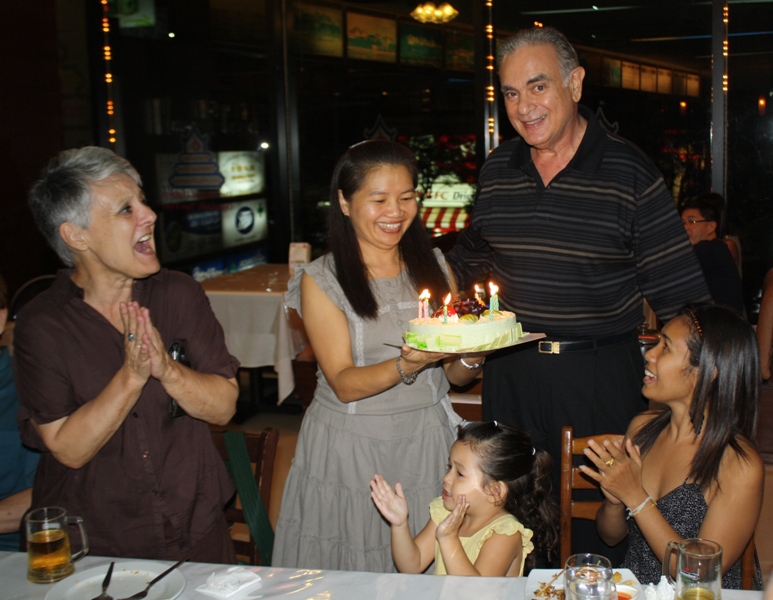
(30, 130)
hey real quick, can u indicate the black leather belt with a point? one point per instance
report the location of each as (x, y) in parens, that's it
(551, 347)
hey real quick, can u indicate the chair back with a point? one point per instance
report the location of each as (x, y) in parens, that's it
(572, 479)
(261, 448)
(27, 292)
(748, 566)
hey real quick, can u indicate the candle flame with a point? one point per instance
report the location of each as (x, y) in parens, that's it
(447, 299)
(478, 288)
(493, 289)
(424, 295)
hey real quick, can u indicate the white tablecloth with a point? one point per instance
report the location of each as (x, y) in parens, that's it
(259, 331)
(303, 584)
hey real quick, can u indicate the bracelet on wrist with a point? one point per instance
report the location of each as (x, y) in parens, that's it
(642, 507)
(473, 367)
(407, 379)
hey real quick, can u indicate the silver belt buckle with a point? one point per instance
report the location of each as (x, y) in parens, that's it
(549, 347)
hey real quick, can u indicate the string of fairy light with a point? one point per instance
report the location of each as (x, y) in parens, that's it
(108, 57)
(725, 47)
(491, 125)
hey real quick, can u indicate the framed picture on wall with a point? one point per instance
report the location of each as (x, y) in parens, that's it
(460, 51)
(320, 30)
(421, 46)
(371, 38)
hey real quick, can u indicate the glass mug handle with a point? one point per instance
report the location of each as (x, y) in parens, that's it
(84, 538)
(672, 546)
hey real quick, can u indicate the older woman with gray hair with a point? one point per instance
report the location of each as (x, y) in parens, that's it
(122, 426)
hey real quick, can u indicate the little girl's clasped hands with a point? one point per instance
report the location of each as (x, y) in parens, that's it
(495, 497)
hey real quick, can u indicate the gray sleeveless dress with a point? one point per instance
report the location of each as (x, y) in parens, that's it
(684, 508)
(327, 519)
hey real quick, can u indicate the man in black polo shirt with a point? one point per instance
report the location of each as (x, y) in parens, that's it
(576, 227)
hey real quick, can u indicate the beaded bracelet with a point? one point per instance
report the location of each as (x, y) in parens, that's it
(407, 379)
(642, 507)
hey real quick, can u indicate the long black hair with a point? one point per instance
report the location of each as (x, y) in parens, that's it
(505, 454)
(349, 176)
(723, 349)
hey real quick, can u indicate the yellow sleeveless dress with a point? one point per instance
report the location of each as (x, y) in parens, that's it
(504, 525)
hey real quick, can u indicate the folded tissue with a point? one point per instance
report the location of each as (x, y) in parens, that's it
(228, 583)
(663, 591)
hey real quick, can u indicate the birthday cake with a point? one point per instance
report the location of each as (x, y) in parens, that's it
(467, 326)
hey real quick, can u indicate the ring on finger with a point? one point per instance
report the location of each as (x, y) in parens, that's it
(609, 462)
(139, 345)
(130, 337)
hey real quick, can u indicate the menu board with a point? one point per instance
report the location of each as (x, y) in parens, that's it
(211, 201)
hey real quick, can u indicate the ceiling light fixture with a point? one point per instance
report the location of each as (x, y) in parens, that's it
(429, 13)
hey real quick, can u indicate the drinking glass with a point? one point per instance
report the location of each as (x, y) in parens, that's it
(49, 557)
(698, 569)
(589, 577)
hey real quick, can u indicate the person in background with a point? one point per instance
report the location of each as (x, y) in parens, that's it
(17, 469)
(496, 507)
(702, 217)
(123, 428)
(690, 469)
(376, 409)
(576, 226)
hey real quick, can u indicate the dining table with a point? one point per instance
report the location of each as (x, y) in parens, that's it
(259, 330)
(299, 584)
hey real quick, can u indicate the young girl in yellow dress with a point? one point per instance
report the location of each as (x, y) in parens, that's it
(495, 508)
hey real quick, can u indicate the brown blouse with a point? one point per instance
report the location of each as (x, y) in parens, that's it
(158, 485)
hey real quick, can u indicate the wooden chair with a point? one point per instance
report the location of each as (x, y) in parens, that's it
(261, 448)
(573, 479)
(748, 566)
(27, 292)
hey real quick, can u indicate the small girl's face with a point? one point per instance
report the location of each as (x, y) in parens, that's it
(463, 477)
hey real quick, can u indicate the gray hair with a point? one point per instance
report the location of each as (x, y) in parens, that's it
(535, 36)
(62, 194)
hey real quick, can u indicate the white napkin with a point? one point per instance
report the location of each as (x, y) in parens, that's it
(665, 589)
(225, 584)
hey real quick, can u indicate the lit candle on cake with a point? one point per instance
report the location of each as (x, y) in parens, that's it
(493, 300)
(424, 305)
(446, 300)
(478, 292)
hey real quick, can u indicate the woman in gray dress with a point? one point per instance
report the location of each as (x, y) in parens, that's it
(375, 409)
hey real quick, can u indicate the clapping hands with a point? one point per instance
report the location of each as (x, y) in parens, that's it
(619, 468)
(449, 527)
(390, 503)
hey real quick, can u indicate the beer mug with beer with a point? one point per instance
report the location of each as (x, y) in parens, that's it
(698, 574)
(48, 544)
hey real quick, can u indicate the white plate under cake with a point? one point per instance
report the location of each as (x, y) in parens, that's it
(465, 333)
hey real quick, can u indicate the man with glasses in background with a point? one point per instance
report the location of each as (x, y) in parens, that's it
(702, 220)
